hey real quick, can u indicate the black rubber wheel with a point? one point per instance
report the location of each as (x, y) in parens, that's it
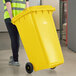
(53, 68)
(29, 68)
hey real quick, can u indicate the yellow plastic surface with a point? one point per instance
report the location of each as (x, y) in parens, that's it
(39, 37)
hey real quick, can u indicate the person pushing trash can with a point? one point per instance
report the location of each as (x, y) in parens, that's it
(11, 9)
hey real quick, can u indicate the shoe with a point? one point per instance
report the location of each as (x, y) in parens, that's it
(11, 58)
(12, 62)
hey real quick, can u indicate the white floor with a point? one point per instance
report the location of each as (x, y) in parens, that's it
(67, 69)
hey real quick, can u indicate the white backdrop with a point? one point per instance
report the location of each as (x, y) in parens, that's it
(34, 2)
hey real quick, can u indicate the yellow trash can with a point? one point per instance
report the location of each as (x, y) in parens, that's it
(39, 37)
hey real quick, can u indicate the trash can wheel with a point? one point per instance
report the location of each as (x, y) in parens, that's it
(53, 68)
(29, 68)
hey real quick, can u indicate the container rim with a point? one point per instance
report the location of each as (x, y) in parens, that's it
(33, 9)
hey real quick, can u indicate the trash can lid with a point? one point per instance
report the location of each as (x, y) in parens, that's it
(33, 9)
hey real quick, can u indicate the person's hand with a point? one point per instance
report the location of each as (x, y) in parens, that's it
(27, 4)
(9, 9)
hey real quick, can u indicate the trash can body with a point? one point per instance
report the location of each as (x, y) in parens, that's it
(39, 37)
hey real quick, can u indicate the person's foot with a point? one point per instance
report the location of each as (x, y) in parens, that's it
(11, 59)
(13, 63)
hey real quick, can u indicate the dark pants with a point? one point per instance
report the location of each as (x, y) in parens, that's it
(14, 36)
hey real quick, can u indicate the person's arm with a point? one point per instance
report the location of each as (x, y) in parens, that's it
(27, 3)
(9, 9)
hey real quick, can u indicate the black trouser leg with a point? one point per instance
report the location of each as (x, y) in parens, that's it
(14, 36)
